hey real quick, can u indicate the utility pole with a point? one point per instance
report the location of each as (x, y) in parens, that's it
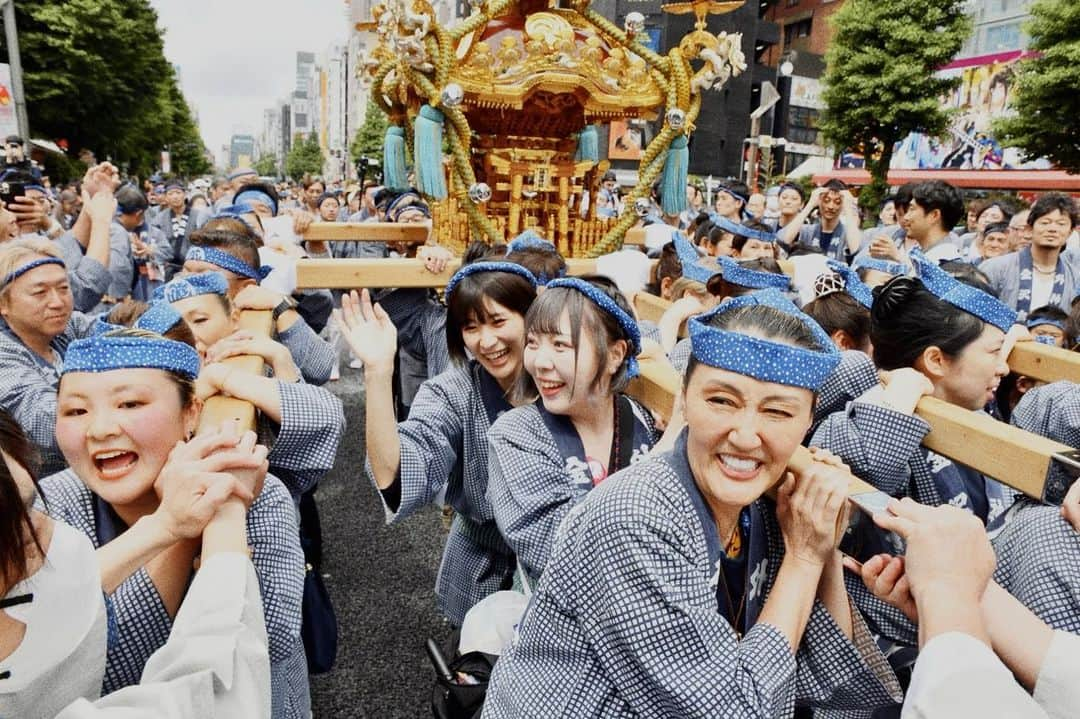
(15, 62)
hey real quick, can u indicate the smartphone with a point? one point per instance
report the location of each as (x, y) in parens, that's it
(10, 190)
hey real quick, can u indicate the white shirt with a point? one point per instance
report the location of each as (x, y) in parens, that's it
(1041, 288)
(957, 676)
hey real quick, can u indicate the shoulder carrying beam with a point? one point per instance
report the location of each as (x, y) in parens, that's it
(220, 407)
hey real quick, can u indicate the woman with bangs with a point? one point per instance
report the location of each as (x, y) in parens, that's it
(578, 427)
(442, 446)
(301, 423)
(676, 588)
(127, 409)
(53, 586)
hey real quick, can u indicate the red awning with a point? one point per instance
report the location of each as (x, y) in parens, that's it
(1014, 180)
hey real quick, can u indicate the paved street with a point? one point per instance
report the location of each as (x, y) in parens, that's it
(381, 580)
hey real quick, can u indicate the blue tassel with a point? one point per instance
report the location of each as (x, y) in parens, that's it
(588, 145)
(430, 178)
(673, 183)
(395, 176)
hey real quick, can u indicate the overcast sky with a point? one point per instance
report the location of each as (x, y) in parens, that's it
(238, 57)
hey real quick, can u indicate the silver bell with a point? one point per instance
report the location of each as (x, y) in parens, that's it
(479, 192)
(452, 95)
(642, 206)
(676, 118)
(634, 23)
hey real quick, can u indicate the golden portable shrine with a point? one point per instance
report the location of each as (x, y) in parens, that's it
(500, 112)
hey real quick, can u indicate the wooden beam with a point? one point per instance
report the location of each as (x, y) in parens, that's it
(410, 233)
(1043, 362)
(390, 272)
(635, 236)
(1029, 463)
(220, 408)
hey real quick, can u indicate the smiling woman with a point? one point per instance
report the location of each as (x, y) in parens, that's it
(442, 447)
(676, 589)
(127, 411)
(577, 428)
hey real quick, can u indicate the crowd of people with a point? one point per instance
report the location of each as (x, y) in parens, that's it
(605, 558)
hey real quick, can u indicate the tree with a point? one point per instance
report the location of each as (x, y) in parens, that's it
(95, 75)
(879, 79)
(1046, 90)
(266, 166)
(305, 157)
(369, 136)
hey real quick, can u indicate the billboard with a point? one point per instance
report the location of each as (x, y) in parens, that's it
(984, 93)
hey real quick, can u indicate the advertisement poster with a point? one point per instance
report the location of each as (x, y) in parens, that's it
(984, 93)
(9, 122)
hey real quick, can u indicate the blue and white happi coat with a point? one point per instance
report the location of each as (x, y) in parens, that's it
(304, 445)
(444, 449)
(538, 472)
(1038, 551)
(142, 622)
(626, 620)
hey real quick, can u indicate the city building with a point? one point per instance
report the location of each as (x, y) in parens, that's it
(303, 108)
(241, 151)
(717, 146)
(999, 27)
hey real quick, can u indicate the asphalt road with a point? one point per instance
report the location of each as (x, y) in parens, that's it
(381, 579)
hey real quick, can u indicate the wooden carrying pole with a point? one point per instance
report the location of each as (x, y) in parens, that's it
(409, 233)
(1031, 359)
(220, 408)
(1029, 463)
(345, 274)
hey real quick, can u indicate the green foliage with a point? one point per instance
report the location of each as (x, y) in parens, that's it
(879, 81)
(95, 74)
(266, 166)
(1046, 91)
(369, 136)
(305, 157)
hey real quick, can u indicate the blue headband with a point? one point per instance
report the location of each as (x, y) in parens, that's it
(529, 239)
(734, 194)
(965, 297)
(103, 353)
(694, 266)
(599, 298)
(736, 274)
(741, 230)
(159, 317)
(886, 266)
(763, 359)
(20, 271)
(478, 267)
(255, 195)
(225, 261)
(1039, 321)
(39, 188)
(852, 284)
(180, 288)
